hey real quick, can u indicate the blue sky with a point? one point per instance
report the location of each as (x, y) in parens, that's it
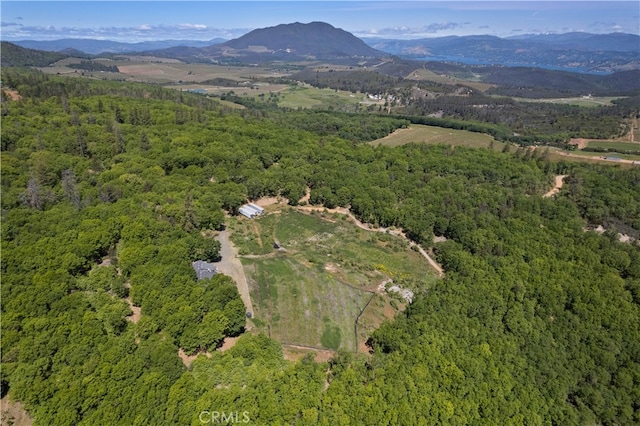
(204, 20)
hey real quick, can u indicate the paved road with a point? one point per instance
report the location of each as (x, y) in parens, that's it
(230, 265)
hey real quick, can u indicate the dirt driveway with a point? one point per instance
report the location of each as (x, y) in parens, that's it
(230, 265)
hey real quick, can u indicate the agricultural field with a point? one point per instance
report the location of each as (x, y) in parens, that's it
(169, 71)
(424, 74)
(618, 146)
(310, 291)
(310, 97)
(438, 135)
(244, 90)
(584, 101)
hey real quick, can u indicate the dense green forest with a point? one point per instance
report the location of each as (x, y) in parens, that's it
(107, 189)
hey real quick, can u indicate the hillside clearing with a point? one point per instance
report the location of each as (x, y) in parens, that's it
(438, 135)
(327, 271)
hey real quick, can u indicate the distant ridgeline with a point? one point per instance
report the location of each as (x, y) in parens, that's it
(581, 52)
(16, 56)
(111, 190)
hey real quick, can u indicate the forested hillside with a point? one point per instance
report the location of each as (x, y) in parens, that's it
(16, 56)
(110, 189)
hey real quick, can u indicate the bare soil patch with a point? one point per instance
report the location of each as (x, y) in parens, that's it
(187, 360)
(12, 413)
(12, 94)
(106, 262)
(559, 182)
(136, 311)
(580, 142)
(228, 343)
(269, 201)
(297, 352)
(230, 265)
(306, 197)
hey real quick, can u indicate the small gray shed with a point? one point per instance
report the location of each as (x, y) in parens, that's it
(204, 269)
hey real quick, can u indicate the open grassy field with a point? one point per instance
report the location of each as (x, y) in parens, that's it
(578, 101)
(438, 135)
(311, 290)
(614, 145)
(169, 71)
(424, 74)
(557, 154)
(310, 97)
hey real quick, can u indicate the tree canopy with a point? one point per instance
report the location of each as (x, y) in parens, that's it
(110, 191)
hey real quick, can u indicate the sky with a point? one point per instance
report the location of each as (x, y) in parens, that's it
(133, 21)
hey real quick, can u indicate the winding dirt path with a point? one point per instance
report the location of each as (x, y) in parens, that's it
(361, 225)
(296, 352)
(559, 182)
(136, 312)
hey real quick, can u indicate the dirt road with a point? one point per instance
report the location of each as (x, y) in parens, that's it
(230, 264)
(559, 182)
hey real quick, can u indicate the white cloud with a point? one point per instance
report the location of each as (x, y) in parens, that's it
(412, 32)
(192, 26)
(144, 32)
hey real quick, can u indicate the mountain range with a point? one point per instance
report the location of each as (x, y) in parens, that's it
(97, 47)
(285, 42)
(577, 51)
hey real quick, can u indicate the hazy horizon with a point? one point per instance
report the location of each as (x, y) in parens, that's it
(204, 20)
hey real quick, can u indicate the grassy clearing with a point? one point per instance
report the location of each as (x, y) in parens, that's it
(614, 145)
(556, 154)
(311, 292)
(174, 72)
(427, 75)
(301, 303)
(310, 97)
(438, 135)
(578, 101)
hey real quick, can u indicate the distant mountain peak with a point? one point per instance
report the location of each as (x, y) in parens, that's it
(314, 39)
